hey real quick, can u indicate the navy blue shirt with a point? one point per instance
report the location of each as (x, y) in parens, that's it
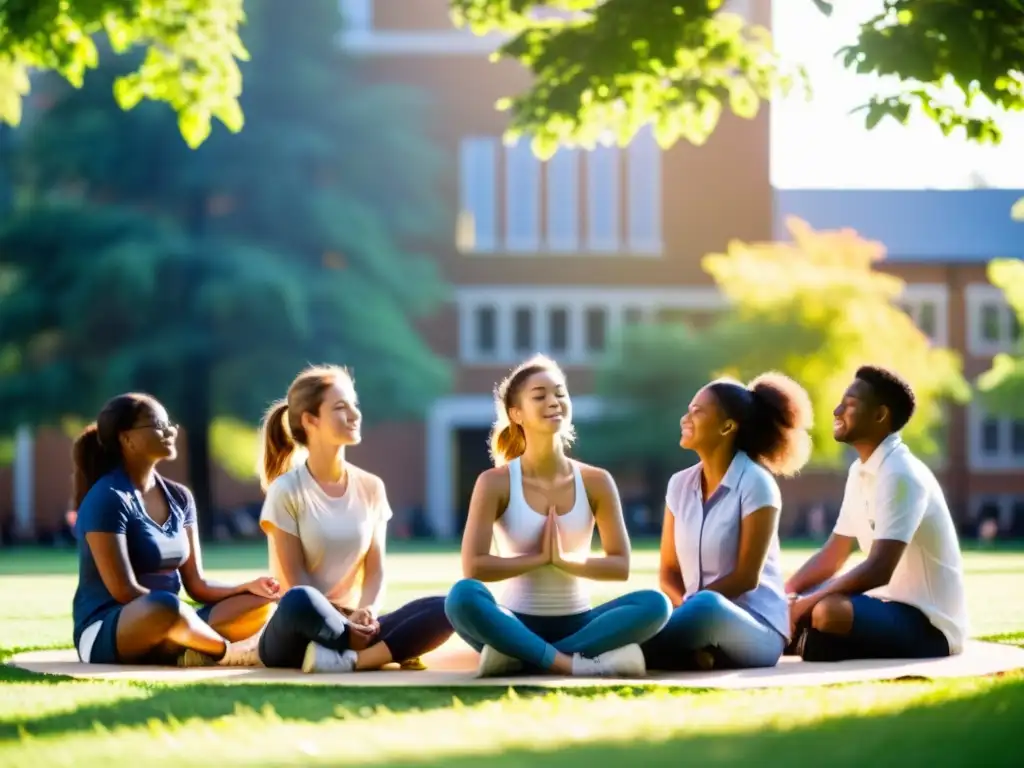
(156, 552)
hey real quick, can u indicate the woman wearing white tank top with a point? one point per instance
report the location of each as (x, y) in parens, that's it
(540, 508)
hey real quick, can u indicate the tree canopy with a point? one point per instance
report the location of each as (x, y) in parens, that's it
(211, 277)
(1001, 387)
(601, 66)
(192, 50)
(815, 308)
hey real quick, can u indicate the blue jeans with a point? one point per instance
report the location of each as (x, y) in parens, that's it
(710, 621)
(534, 640)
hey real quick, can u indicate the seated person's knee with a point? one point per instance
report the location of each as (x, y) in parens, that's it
(705, 600)
(296, 600)
(833, 615)
(461, 594)
(162, 609)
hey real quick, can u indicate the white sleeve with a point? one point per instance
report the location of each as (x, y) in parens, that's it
(846, 524)
(672, 493)
(900, 504)
(384, 512)
(758, 490)
(279, 509)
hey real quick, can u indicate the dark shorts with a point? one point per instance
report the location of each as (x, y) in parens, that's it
(882, 629)
(104, 647)
(890, 630)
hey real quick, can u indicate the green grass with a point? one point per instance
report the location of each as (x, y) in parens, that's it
(55, 721)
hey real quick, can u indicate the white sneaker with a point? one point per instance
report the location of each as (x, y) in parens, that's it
(192, 658)
(244, 653)
(627, 661)
(496, 664)
(324, 660)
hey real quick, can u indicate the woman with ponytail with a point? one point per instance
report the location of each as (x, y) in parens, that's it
(138, 545)
(542, 507)
(720, 562)
(326, 522)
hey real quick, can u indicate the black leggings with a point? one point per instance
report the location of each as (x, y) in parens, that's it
(305, 616)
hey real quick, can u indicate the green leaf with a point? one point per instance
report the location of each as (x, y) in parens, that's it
(194, 124)
(1017, 211)
(230, 113)
(127, 92)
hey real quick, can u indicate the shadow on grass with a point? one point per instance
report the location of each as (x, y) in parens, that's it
(984, 729)
(308, 703)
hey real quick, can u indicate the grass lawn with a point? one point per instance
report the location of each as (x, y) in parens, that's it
(57, 722)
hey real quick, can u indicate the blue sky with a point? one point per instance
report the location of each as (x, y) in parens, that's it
(818, 144)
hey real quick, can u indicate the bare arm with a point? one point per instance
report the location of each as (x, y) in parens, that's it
(490, 495)
(290, 558)
(373, 571)
(614, 564)
(110, 553)
(822, 566)
(874, 572)
(200, 588)
(670, 575)
(756, 531)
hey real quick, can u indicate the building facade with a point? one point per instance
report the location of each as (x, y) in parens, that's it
(553, 256)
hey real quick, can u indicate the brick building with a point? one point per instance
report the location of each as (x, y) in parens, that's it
(553, 256)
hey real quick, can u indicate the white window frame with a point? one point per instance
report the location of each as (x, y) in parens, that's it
(358, 16)
(976, 297)
(644, 195)
(522, 198)
(977, 460)
(562, 201)
(915, 295)
(576, 300)
(478, 193)
(604, 200)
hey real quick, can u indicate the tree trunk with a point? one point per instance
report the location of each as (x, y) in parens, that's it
(656, 477)
(197, 386)
(196, 419)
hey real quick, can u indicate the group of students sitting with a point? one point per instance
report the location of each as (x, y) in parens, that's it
(722, 603)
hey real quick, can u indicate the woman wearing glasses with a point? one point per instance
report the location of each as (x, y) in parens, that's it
(138, 545)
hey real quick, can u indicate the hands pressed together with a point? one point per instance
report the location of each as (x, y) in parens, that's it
(551, 552)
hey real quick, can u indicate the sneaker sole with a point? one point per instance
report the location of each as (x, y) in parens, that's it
(309, 659)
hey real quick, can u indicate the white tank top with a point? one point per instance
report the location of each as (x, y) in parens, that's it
(544, 591)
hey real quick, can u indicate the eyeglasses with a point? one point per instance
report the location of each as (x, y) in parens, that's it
(159, 426)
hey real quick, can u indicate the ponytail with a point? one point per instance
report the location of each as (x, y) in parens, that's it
(91, 460)
(507, 441)
(774, 415)
(278, 444)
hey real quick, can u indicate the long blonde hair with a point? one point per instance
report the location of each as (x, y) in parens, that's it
(282, 428)
(507, 439)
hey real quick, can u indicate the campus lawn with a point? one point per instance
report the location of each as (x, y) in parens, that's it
(56, 722)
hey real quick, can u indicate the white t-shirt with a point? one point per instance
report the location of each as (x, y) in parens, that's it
(894, 495)
(335, 533)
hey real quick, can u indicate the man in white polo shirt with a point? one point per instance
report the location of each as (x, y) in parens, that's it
(906, 600)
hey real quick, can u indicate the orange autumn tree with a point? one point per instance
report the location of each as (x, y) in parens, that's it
(816, 308)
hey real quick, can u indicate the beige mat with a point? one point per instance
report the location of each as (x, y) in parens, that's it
(453, 666)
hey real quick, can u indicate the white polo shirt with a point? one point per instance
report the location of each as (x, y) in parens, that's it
(894, 495)
(708, 535)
